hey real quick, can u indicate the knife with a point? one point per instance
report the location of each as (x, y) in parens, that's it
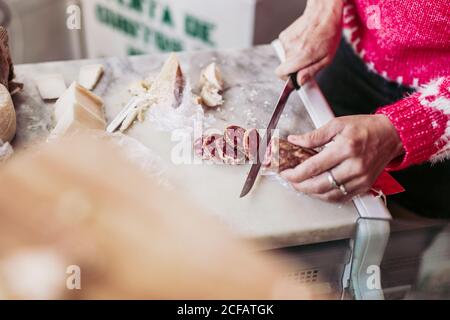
(290, 86)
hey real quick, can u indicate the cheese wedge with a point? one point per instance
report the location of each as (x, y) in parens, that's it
(169, 85)
(167, 89)
(77, 117)
(50, 86)
(90, 75)
(80, 95)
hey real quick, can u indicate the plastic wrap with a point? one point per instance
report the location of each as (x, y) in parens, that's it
(148, 161)
(186, 117)
(278, 179)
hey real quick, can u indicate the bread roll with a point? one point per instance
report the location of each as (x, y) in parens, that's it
(7, 115)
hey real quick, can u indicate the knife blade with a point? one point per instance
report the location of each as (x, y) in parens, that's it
(290, 86)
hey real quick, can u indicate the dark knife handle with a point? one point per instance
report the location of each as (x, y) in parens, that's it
(293, 77)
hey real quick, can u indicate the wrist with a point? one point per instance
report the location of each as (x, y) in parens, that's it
(398, 149)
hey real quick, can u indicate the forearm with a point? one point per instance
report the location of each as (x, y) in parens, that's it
(423, 122)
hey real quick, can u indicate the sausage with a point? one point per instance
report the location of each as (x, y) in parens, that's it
(210, 147)
(251, 142)
(282, 155)
(234, 137)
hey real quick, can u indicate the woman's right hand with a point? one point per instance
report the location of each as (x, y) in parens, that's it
(311, 42)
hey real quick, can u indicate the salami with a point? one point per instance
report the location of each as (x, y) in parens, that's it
(198, 147)
(234, 137)
(238, 145)
(211, 144)
(282, 155)
(230, 155)
(251, 142)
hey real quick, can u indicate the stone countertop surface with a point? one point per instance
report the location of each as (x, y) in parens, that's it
(272, 215)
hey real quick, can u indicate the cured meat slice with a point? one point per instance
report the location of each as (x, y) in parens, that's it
(238, 145)
(251, 142)
(282, 155)
(234, 137)
(230, 155)
(211, 144)
(198, 147)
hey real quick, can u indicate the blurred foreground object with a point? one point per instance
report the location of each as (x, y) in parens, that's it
(76, 203)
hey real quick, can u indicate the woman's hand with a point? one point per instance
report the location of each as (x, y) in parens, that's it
(362, 146)
(311, 42)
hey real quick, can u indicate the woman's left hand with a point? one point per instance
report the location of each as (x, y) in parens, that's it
(361, 147)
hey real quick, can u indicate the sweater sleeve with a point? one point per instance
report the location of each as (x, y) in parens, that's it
(423, 123)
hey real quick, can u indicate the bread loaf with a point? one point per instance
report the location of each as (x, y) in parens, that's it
(7, 115)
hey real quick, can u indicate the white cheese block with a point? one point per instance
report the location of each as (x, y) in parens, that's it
(167, 89)
(77, 118)
(82, 96)
(90, 75)
(50, 86)
(168, 86)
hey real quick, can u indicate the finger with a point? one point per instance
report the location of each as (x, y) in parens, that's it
(354, 188)
(295, 64)
(338, 196)
(342, 173)
(308, 73)
(316, 185)
(319, 137)
(334, 196)
(347, 172)
(326, 160)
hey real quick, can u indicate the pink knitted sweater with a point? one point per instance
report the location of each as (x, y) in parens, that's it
(408, 41)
